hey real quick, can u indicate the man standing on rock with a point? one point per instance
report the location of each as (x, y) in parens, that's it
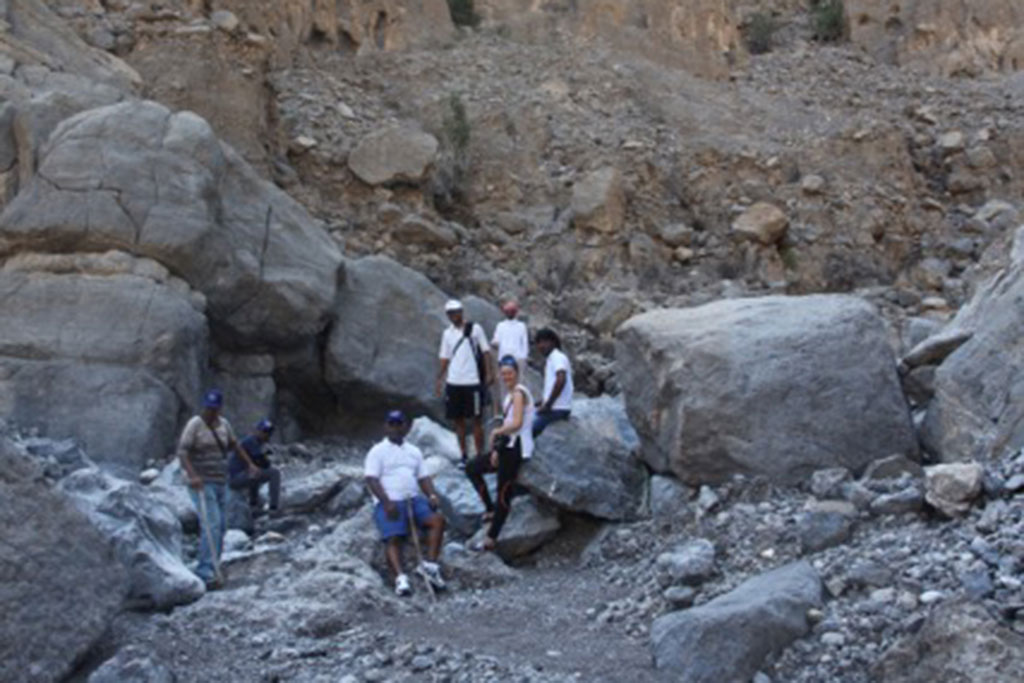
(557, 403)
(465, 375)
(511, 337)
(203, 451)
(395, 475)
(239, 477)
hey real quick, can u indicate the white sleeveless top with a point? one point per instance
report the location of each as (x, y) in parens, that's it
(525, 433)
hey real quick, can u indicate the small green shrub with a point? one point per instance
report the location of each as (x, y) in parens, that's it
(452, 168)
(463, 13)
(828, 17)
(456, 124)
(789, 258)
(759, 33)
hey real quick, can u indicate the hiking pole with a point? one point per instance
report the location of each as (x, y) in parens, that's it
(415, 533)
(205, 521)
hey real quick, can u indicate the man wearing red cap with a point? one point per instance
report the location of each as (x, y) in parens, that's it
(511, 336)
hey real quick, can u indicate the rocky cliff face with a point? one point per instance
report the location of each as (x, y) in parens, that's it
(948, 37)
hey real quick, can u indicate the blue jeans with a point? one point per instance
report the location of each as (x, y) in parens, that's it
(542, 418)
(214, 497)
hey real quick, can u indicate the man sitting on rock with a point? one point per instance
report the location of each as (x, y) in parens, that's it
(557, 402)
(240, 478)
(395, 476)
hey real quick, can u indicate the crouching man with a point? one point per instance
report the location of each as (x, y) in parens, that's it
(395, 476)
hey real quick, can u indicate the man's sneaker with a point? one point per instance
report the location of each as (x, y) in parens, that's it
(432, 573)
(402, 586)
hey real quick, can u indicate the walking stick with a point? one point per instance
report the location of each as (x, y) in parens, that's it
(205, 521)
(415, 533)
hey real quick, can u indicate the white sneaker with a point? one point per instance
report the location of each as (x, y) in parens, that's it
(402, 586)
(431, 571)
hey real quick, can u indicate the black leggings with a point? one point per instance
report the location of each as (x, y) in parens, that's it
(509, 460)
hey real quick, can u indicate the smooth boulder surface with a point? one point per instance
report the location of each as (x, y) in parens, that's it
(91, 350)
(588, 463)
(773, 386)
(728, 638)
(144, 533)
(137, 177)
(382, 349)
(392, 155)
(977, 411)
(60, 583)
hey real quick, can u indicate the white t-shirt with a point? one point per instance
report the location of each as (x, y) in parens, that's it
(511, 338)
(399, 468)
(558, 361)
(462, 363)
(525, 433)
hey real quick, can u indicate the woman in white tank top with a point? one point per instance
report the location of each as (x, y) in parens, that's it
(512, 443)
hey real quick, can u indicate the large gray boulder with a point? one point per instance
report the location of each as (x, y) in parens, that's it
(589, 463)
(60, 583)
(976, 411)
(136, 176)
(383, 347)
(775, 386)
(728, 638)
(99, 348)
(144, 534)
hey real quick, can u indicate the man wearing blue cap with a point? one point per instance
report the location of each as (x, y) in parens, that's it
(395, 475)
(203, 451)
(240, 478)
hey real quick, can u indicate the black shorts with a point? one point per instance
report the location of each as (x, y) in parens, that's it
(463, 401)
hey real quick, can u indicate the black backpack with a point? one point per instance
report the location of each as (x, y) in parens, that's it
(467, 335)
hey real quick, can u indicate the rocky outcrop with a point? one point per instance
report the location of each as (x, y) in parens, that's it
(729, 637)
(33, 35)
(947, 37)
(701, 36)
(973, 414)
(99, 347)
(61, 584)
(136, 177)
(773, 386)
(588, 463)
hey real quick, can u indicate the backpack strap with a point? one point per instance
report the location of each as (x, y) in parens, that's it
(216, 437)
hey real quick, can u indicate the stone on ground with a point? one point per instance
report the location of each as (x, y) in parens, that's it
(952, 488)
(774, 386)
(728, 638)
(529, 526)
(764, 223)
(144, 534)
(689, 564)
(395, 154)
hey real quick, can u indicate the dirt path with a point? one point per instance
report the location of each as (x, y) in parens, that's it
(540, 620)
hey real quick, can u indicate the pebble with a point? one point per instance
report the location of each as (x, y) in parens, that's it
(931, 597)
(833, 639)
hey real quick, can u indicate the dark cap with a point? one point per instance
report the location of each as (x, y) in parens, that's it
(395, 417)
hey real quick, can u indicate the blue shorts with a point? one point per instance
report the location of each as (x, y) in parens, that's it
(390, 528)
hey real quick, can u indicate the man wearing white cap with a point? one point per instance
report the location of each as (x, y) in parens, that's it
(464, 375)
